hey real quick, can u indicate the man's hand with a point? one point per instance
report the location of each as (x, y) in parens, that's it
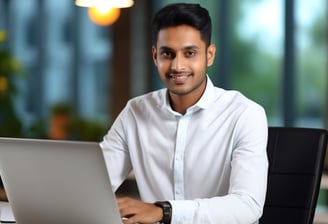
(139, 212)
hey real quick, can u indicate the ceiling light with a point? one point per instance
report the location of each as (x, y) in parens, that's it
(105, 3)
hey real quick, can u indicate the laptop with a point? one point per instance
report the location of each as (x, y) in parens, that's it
(54, 181)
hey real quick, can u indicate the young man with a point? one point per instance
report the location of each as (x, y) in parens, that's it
(198, 152)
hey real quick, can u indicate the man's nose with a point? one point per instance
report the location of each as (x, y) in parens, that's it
(178, 63)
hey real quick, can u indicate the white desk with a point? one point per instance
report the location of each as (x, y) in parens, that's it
(321, 216)
(6, 213)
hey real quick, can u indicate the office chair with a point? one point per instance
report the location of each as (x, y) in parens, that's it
(296, 159)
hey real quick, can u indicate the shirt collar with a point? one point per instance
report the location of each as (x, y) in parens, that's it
(207, 97)
(205, 100)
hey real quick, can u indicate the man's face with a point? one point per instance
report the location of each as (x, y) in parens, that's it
(181, 58)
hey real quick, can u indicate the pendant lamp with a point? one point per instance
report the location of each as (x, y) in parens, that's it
(104, 12)
(105, 3)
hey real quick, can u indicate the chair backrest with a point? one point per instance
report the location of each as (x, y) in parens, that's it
(296, 159)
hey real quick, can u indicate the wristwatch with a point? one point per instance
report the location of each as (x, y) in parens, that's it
(167, 211)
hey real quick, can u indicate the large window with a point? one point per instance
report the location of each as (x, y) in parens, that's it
(274, 52)
(257, 53)
(279, 59)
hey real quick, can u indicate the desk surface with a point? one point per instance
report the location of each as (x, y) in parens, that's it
(6, 214)
(321, 215)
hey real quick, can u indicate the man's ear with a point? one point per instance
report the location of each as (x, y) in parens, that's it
(210, 54)
(154, 52)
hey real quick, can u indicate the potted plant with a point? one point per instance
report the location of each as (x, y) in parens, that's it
(59, 121)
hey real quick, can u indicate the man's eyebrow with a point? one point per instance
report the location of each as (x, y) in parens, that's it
(191, 47)
(166, 48)
(184, 48)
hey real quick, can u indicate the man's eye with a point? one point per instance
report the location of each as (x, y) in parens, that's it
(167, 54)
(190, 54)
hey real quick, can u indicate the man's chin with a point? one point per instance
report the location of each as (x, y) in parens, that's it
(179, 91)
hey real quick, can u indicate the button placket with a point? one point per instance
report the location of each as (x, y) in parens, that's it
(179, 158)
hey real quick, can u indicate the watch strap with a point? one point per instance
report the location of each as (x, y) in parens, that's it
(167, 211)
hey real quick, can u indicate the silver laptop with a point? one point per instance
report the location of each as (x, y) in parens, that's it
(50, 181)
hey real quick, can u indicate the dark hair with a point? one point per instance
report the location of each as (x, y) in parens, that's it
(183, 14)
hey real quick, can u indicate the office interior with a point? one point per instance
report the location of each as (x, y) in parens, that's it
(63, 76)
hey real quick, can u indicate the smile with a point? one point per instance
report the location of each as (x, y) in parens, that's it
(179, 77)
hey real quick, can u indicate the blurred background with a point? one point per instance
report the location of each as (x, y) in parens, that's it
(66, 75)
(57, 60)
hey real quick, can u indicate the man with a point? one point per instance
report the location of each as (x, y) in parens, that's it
(198, 152)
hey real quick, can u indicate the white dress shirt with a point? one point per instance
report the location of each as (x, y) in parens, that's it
(210, 163)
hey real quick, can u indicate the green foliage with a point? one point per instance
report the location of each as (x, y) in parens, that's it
(86, 129)
(10, 70)
(318, 31)
(61, 108)
(312, 80)
(255, 72)
(257, 75)
(79, 128)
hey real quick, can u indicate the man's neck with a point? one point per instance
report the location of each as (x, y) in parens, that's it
(180, 103)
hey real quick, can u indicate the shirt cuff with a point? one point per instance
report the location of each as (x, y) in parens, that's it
(183, 211)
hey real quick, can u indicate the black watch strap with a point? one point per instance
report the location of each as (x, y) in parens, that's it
(167, 211)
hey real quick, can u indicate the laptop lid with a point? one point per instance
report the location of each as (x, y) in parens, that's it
(51, 181)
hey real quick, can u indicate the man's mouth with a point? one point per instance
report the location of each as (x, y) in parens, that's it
(179, 77)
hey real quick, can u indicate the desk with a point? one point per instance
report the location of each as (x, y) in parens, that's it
(321, 215)
(6, 213)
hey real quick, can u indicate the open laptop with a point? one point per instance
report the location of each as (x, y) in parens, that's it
(50, 181)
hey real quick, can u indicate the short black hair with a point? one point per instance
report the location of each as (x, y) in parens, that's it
(183, 14)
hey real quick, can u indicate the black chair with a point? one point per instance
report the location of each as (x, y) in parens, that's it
(296, 160)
